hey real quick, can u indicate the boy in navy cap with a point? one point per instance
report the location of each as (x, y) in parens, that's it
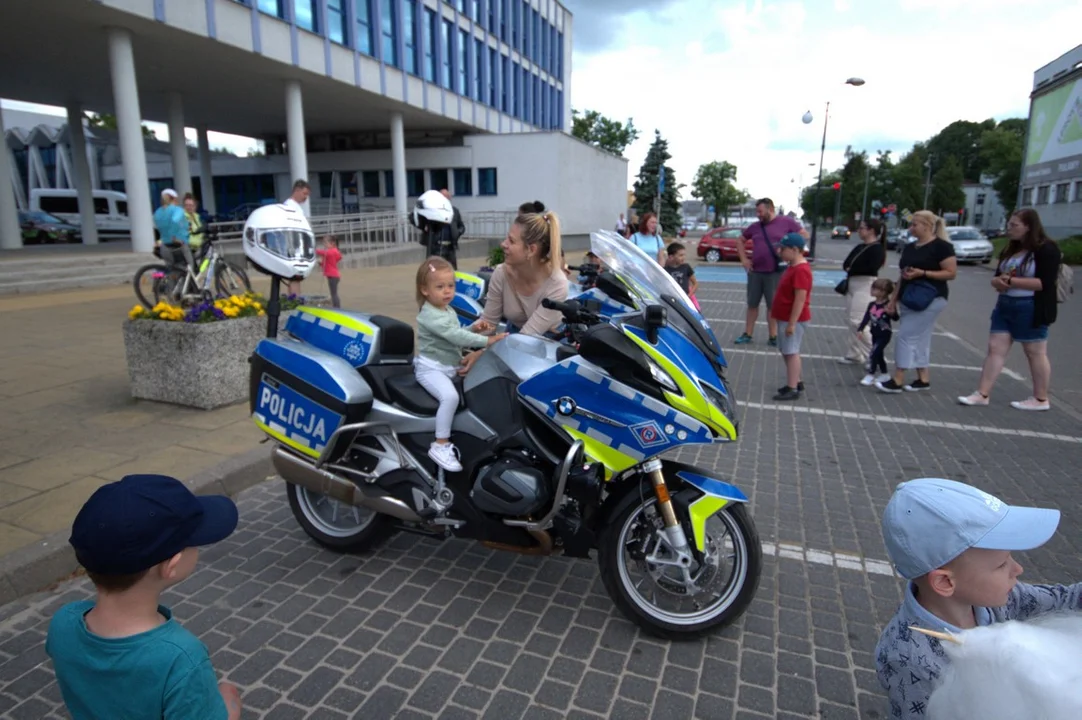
(122, 655)
(953, 543)
(791, 308)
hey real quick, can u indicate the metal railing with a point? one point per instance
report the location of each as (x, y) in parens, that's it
(365, 232)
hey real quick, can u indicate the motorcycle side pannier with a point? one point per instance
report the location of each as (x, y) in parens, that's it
(299, 395)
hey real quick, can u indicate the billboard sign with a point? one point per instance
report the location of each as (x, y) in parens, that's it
(1054, 147)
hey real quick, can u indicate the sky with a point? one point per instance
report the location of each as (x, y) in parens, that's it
(731, 79)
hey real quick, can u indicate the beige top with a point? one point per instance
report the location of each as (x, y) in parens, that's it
(525, 311)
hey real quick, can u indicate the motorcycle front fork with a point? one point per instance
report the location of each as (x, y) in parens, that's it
(674, 532)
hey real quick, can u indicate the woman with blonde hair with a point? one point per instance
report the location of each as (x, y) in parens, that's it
(530, 272)
(927, 266)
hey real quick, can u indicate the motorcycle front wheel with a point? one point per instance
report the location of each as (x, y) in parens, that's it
(657, 597)
(333, 524)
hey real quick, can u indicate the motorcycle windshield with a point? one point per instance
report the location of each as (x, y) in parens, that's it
(650, 283)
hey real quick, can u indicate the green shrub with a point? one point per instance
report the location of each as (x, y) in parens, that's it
(1071, 247)
(495, 256)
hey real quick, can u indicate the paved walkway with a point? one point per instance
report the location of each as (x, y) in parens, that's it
(69, 423)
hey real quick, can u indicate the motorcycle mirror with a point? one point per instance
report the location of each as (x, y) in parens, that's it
(656, 317)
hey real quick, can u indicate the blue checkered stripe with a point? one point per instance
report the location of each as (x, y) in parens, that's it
(345, 342)
(638, 426)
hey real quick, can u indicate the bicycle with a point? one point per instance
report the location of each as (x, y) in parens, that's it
(181, 285)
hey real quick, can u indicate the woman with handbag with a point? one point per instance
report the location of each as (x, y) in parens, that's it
(861, 268)
(927, 266)
(1026, 282)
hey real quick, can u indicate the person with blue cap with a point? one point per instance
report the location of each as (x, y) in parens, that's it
(792, 309)
(952, 542)
(123, 655)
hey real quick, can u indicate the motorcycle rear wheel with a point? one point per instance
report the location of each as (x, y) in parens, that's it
(333, 524)
(741, 556)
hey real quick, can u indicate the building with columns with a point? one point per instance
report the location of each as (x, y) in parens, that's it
(373, 101)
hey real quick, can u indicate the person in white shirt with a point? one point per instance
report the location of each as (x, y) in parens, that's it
(297, 200)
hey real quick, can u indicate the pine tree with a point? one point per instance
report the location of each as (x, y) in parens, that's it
(646, 186)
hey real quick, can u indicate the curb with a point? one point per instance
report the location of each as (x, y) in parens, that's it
(36, 567)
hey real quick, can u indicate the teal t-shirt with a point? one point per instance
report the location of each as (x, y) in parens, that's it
(162, 673)
(172, 224)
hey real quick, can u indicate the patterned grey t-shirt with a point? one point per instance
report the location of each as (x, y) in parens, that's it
(909, 663)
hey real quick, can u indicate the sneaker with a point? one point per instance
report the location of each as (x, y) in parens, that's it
(917, 386)
(446, 456)
(885, 377)
(799, 387)
(1032, 404)
(889, 386)
(787, 393)
(848, 361)
(868, 380)
(773, 341)
(744, 339)
(973, 399)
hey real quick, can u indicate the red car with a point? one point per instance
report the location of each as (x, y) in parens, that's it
(720, 244)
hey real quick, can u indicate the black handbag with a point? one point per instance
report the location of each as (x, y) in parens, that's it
(842, 288)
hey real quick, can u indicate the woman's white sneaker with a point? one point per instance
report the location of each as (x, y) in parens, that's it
(973, 399)
(1032, 404)
(882, 378)
(868, 380)
(446, 456)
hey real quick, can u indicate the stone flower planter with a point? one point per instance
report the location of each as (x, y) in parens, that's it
(201, 365)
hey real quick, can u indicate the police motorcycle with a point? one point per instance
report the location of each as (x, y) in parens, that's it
(560, 445)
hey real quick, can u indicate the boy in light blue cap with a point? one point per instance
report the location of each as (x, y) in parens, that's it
(953, 543)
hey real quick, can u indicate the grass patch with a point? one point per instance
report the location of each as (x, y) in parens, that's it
(1071, 247)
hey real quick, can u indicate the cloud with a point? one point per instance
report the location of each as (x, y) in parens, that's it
(600, 24)
(731, 81)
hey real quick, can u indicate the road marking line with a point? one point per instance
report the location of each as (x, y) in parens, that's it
(817, 327)
(913, 421)
(805, 356)
(845, 561)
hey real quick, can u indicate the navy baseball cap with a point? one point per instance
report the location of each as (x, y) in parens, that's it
(929, 522)
(793, 240)
(142, 520)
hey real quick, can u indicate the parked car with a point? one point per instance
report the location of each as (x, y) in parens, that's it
(41, 228)
(840, 232)
(720, 244)
(970, 244)
(894, 238)
(702, 227)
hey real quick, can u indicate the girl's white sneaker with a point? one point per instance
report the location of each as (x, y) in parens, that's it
(1032, 404)
(446, 456)
(973, 399)
(868, 380)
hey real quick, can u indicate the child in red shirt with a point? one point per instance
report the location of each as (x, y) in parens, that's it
(792, 306)
(329, 258)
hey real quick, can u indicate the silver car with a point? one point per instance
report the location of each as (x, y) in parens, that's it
(970, 244)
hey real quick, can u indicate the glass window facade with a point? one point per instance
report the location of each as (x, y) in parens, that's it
(409, 37)
(336, 21)
(304, 14)
(463, 181)
(462, 62)
(445, 60)
(389, 22)
(430, 45)
(363, 12)
(486, 181)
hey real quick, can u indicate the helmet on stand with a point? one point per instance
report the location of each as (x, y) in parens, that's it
(432, 206)
(278, 241)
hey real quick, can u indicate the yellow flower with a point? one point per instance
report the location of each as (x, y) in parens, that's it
(231, 312)
(261, 313)
(258, 307)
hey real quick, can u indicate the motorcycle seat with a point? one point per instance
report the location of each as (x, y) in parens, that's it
(408, 394)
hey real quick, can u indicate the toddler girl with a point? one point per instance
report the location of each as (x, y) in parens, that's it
(879, 319)
(440, 342)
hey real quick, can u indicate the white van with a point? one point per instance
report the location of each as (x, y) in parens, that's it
(110, 208)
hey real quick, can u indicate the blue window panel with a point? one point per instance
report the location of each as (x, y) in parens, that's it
(336, 21)
(516, 73)
(439, 179)
(370, 183)
(409, 36)
(462, 63)
(363, 11)
(460, 5)
(504, 19)
(493, 69)
(516, 23)
(505, 105)
(448, 39)
(463, 181)
(486, 181)
(304, 14)
(560, 109)
(527, 90)
(560, 55)
(389, 10)
(536, 44)
(431, 67)
(272, 7)
(479, 92)
(543, 54)
(544, 121)
(493, 26)
(388, 182)
(475, 10)
(527, 48)
(415, 182)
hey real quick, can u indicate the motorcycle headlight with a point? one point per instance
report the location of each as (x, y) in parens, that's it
(661, 377)
(721, 401)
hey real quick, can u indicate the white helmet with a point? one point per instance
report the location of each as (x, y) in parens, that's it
(278, 241)
(433, 206)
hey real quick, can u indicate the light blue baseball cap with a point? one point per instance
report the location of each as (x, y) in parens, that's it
(929, 522)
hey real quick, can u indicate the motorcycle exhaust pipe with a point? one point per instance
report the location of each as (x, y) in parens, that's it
(296, 470)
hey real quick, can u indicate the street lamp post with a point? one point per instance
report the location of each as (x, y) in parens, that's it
(855, 82)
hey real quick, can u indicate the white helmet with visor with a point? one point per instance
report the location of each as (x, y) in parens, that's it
(278, 241)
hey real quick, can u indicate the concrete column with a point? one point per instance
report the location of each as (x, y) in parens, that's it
(130, 130)
(95, 171)
(297, 148)
(182, 171)
(206, 179)
(10, 235)
(398, 161)
(81, 168)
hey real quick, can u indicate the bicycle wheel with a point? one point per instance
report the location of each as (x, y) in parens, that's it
(150, 284)
(229, 279)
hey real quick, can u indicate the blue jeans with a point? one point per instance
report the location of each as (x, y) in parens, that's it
(1014, 316)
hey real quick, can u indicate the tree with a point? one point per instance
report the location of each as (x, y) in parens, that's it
(962, 141)
(908, 180)
(826, 197)
(1001, 152)
(602, 132)
(104, 120)
(947, 195)
(646, 185)
(713, 184)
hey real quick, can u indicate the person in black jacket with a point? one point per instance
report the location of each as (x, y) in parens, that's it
(1026, 282)
(862, 268)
